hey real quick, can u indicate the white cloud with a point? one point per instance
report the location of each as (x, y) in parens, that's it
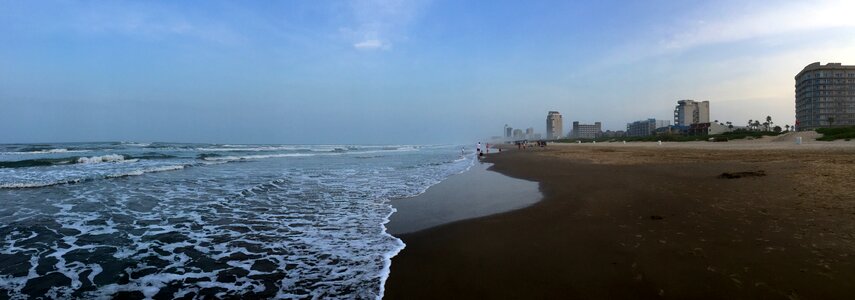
(377, 23)
(771, 22)
(371, 44)
(763, 21)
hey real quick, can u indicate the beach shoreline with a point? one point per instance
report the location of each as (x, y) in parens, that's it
(642, 220)
(477, 192)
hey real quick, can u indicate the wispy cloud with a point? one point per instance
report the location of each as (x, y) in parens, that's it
(370, 44)
(150, 21)
(770, 19)
(377, 23)
(723, 24)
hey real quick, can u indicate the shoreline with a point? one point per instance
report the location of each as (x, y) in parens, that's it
(443, 204)
(477, 192)
(635, 222)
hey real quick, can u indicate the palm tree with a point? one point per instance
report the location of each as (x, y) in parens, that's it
(769, 120)
(750, 124)
(787, 127)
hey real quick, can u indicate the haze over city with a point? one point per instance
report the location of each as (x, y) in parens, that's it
(396, 71)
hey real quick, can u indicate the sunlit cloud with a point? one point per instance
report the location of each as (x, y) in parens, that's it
(721, 24)
(778, 19)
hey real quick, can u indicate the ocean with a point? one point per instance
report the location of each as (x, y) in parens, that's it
(171, 220)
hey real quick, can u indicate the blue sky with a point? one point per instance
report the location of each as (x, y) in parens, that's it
(387, 71)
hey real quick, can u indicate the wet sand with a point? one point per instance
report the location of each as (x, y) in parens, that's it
(620, 221)
(475, 193)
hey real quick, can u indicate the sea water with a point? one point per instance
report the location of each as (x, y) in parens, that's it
(164, 220)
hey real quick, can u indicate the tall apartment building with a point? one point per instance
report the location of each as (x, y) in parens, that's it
(508, 131)
(554, 125)
(518, 134)
(586, 131)
(825, 96)
(690, 112)
(645, 127)
(529, 133)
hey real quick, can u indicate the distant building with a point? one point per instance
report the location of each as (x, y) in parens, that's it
(690, 112)
(645, 127)
(707, 129)
(554, 125)
(614, 134)
(825, 96)
(508, 131)
(586, 131)
(529, 133)
(518, 134)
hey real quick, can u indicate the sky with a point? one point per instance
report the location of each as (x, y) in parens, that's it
(396, 71)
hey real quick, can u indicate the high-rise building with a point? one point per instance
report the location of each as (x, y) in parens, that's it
(825, 96)
(508, 131)
(553, 125)
(529, 133)
(645, 127)
(518, 134)
(586, 131)
(690, 112)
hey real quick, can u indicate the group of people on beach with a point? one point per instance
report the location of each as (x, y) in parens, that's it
(523, 144)
(520, 144)
(478, 152)
(481, 153)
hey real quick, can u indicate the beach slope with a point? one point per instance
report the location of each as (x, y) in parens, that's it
(647, 222)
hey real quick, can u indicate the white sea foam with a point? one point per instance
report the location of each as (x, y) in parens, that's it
(317, 230)
(387, 257)
(101, 159)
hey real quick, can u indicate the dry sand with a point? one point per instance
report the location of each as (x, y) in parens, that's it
(642, 220)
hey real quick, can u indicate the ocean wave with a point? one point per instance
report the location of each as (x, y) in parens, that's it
(30, 151)
(256, 149)
(109, 158)
(249, 157)
(228, 148)
(37, 184)
(37, 162)
(101, 159)
(147, 170)
(136, 172)
(150, 155)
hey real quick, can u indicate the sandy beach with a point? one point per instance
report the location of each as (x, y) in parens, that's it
(742, 219)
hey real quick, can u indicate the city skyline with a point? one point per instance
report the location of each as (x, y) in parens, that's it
(395, 71)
